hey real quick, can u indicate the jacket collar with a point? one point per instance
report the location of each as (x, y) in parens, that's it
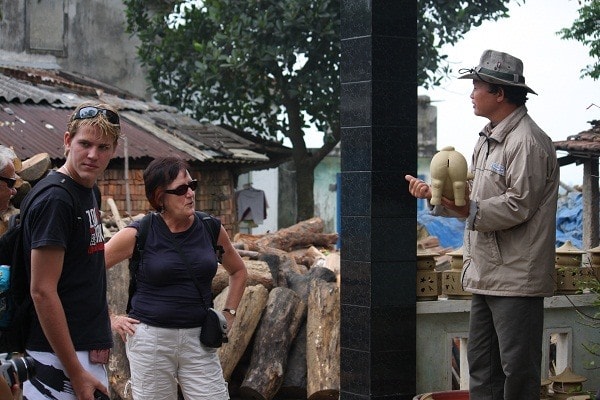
(507, 125)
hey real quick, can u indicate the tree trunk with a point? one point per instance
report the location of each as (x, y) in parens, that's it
(35, 167)
(115, 212)
(258, 273)
(118, 367)
(281, 264)
(301, 284)
(305, 179)
(311, 256)
(244, 324)
(294, 378)
(303, 234)
(332, 262)
(278, 328)
(323, 342)
(294, 382)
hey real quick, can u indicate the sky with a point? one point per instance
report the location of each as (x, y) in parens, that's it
(552, 68)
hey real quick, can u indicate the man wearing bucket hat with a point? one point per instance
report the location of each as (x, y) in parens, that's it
(509, 240)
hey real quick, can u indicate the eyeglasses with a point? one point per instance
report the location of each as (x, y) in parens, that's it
(91, 112)
(182, 189)
(10, 182)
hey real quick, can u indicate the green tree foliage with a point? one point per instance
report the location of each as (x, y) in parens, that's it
(272, 66)
(445, 22)
(586, 29)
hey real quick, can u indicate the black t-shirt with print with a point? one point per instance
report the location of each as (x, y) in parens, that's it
(52, 221)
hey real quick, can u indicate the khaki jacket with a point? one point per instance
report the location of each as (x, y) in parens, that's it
(509, 240)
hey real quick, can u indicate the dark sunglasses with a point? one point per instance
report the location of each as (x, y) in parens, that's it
(182, 189)
(10, 182)
(91, 112)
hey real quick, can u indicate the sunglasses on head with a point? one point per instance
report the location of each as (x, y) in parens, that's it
(10, 182)
(91, 112)
(182, 189)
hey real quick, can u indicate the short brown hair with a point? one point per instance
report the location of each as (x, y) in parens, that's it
(157, 176)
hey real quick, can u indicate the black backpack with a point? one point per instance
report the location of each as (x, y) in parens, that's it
(209, 222)
(16, 314)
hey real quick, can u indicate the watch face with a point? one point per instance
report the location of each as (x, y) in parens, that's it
(230, 311)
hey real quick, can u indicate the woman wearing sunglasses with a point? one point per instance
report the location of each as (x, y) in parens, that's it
(7, 177)
(162, 328)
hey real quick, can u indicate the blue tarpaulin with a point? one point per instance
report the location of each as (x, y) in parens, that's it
(449, 231)
(569, 220)
(569, 224)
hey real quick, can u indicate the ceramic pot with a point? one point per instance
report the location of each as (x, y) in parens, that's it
(594, 256)
(568, 268)
(567, 384)
(449, 395)
(568, 255)
(428, 285)
(544, 389)
(456, 260)
(426, 259)
(451, 279)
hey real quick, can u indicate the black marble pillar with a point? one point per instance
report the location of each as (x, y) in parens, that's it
(378, 216)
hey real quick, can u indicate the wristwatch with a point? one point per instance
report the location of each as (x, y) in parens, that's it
(230, 311)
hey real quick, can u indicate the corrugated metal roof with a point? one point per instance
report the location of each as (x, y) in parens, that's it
(585, 144)
(36, 106)
(37, 128)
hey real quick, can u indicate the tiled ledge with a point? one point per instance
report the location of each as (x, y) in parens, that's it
(440, 321)
(459, 306)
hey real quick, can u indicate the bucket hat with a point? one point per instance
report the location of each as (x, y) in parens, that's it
(498, 68)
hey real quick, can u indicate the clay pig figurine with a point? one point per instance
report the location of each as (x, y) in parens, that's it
(449, 176)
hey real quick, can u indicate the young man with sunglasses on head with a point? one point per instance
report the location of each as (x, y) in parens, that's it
(510, 233)
(70, 333)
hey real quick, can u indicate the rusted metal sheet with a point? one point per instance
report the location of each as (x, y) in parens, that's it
(35, 105)
(36, 128)
(585, 144)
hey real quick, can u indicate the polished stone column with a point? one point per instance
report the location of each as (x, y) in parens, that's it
(378, 216)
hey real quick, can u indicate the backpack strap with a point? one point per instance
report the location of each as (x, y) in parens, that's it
(211, 224)
(14, 233)
(52, 179)
(142, 234)
(136, 257)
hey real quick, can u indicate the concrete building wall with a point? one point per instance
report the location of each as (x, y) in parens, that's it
(80, 36)
(326, 191)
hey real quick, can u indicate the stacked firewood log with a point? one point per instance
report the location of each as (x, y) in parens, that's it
(285, 340)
